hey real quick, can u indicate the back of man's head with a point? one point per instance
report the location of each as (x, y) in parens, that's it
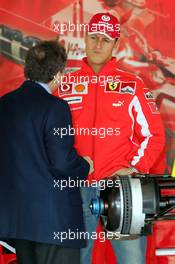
(44, 61)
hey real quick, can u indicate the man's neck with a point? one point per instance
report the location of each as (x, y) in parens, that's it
(52, 87)
(96, 67)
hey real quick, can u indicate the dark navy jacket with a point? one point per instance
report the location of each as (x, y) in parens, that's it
(33, 162)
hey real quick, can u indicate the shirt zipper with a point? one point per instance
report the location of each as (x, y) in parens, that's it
(94, 123)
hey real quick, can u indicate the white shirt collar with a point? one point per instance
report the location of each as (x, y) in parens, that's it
(45, 86)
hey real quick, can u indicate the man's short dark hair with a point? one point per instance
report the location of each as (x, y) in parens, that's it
(44, 60)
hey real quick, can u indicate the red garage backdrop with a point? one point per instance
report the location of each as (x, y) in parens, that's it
(146, 48)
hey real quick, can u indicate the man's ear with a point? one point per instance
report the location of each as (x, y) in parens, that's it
(117, 42)
(85, 37)
(116, 45)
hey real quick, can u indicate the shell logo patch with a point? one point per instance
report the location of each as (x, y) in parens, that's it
(79, 88)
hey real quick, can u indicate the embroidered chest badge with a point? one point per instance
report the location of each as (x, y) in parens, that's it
(112, 87)
(72, 89)
(128, 87)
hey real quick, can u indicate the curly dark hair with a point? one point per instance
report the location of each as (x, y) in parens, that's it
(44, 60)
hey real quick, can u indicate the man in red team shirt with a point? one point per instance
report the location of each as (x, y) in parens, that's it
(116, 123)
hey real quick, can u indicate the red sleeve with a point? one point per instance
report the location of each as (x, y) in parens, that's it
(148, 130)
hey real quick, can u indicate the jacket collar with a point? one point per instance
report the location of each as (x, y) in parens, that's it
(45, 86)
(34, 84)
(108, 68)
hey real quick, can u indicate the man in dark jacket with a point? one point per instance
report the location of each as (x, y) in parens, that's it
(38, 209)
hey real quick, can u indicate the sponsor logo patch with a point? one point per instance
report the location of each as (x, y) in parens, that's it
(128, 87)
(112, 87)
(64, 89)
(148, 95)
(73, 88)
(118, 104)
(81, 88)
(153, 108)
(73, 99)
(76, 108)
